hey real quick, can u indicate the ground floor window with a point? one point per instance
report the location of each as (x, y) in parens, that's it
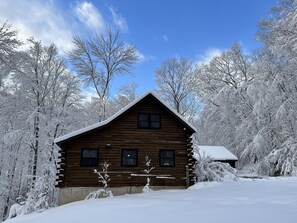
(89, 158)
(129, 157)
(167, 157)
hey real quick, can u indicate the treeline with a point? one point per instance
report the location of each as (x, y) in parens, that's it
(41, 98)
(247, 101)
(250, 100)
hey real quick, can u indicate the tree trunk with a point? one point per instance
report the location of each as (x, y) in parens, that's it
(36, 144)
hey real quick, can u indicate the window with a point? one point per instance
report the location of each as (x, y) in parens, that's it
(89, 158)
(149, 121)
(167, 158)
(155, 121)
(129, 157)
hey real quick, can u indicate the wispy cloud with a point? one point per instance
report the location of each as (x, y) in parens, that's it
(208, 55)
(144, 58)
(88, 14)
(118, 19)
(40, 19)
(165, 38)
(89, 93)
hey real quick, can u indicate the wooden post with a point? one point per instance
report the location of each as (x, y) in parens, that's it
(187, 176)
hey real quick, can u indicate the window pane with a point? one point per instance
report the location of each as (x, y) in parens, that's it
(89, 158)
(129, 154)
(155, 121)
(143, 117)
(89, 153)
(155, 118)
(167, 158)
(143, 121)
(167, 154)
(167, 162)
(129, 157)
(89, 162)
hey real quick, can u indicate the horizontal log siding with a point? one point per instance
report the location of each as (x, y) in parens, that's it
(124, 134)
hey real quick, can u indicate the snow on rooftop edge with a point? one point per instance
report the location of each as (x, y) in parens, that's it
(99, 124)
(217, 152)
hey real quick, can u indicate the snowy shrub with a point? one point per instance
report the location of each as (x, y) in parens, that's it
(208, 170)
(147, 188)
(14, 210)
(38, 198)
(101, 193)
(280, 161)
(104, 179)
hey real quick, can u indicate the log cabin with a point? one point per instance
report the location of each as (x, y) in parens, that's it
(146, 127)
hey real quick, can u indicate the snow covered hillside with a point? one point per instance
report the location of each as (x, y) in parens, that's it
(272, 200)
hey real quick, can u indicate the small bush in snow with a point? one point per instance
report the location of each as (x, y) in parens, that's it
(15, 209)
(147, 171)
(104, 179)
(38, 198)
(101, 193)
(208, 170)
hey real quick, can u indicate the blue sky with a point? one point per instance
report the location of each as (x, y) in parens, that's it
(160, 29)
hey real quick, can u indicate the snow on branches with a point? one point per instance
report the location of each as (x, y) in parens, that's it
(103, 178)
(208, 170)
(281, 161)
(147, 188)
(39, 197)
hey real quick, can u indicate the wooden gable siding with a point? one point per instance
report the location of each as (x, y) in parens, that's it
(123, 133)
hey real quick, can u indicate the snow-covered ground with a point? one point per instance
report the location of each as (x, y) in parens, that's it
(272, 200)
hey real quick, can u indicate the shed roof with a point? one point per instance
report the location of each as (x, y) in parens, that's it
(219, 153)
(119, 113)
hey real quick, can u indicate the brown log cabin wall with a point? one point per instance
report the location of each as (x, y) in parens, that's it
(124, 133)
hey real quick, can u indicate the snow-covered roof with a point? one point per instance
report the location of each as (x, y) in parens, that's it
(216, 152)
(123, 110)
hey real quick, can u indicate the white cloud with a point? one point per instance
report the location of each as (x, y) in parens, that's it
(88, 14)
(208, 55)
(144, 58)
(89, 93)
(119, 20)
(41, 19)
(165, 38)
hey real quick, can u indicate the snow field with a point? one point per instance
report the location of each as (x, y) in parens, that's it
(272, 200)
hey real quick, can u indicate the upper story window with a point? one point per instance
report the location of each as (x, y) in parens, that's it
(129, 157)
(89, 158)
(149, 121)
(167, 158)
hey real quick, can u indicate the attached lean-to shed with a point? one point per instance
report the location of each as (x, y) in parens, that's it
(146, 127)
(218, 153)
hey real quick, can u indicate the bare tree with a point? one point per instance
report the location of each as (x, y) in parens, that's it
(173, 79)
(100, 59)
(230, 69)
